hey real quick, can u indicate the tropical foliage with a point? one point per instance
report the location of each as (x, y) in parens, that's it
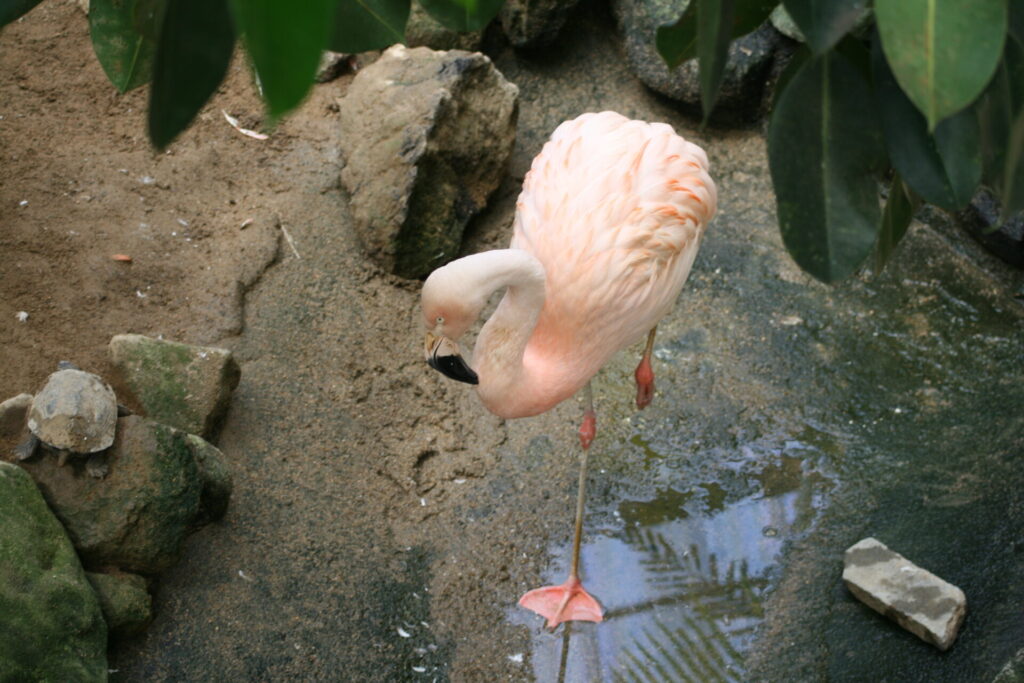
(929, 93)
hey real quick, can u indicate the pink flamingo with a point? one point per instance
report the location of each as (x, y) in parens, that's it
(606, 229)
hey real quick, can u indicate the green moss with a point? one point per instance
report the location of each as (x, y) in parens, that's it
(127, 607)
(159, 379)
(50, 618)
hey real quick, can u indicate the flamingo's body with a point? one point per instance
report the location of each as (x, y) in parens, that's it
(606, 229)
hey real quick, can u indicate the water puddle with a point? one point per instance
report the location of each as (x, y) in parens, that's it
(682, 577)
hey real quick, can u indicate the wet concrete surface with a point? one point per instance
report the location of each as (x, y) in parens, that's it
(383, 525)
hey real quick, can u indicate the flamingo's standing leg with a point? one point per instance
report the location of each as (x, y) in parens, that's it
(570, 600)
(645, 374)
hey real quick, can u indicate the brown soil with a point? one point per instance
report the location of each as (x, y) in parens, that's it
(349, 456)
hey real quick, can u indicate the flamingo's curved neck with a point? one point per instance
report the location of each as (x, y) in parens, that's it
(506, 385)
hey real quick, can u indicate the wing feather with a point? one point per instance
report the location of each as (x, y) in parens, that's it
(614, 209)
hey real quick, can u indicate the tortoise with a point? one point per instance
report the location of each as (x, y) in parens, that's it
(74, 413)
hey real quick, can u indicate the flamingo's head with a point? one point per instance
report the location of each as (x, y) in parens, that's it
(448, 311)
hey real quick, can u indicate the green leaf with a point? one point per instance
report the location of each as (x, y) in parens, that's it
(944, 168)
(361, 25)
(824, 22)
(463, 15)
(714, 33)
(824, 148)
(124, 39)
(943, 52)
(13, 9)
(285, 42)
(193, 53)
(899, 211)
(677, 42)
(1001, 113)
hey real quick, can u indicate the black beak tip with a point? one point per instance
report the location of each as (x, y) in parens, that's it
(454, 367)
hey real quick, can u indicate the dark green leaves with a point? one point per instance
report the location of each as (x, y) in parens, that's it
(463, 15)
(124, 38)
(285, 42)
(824, 22)
(943, 168)
(704, 31)
(942, 52)
(12, 9)
(899, 210)
(824, 148)
(194, 50)
(678, 42)
(1001, 112)
(714, 30)
(361, 25)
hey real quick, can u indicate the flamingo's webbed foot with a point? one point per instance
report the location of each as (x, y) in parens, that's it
(567, 602)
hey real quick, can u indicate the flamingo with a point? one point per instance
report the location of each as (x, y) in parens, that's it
(606, 230)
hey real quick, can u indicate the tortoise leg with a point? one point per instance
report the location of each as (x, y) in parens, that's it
(97, 466)
(27, 448)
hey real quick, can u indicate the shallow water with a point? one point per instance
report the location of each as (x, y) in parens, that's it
(682, 575)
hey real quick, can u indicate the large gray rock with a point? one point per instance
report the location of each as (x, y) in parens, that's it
(534, 23)
(749, 66)
(425, 139)
(125, 602)
(75, 411)
(50, 620)
(927, 606)
(137, 516)
(188, 387)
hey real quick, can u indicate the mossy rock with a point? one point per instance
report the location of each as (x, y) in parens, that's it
(137, 516)
(185, 386)
(216, 476)
(50, 619)
(126, 604)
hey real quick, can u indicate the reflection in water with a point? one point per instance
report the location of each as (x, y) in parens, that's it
(682, 583)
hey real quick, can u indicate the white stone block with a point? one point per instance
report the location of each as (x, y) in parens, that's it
(927, 606)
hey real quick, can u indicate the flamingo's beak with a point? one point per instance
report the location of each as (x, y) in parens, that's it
(443, 355)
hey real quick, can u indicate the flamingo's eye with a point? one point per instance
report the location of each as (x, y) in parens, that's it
(439, 320)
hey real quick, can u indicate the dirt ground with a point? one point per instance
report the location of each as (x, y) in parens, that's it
(357, 471)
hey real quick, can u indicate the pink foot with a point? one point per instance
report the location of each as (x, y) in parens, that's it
(588, 430)
(568, 602)
(644, 383)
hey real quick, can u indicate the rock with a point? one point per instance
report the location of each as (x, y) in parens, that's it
(12, 415)
(426, 136)
(188, 387)
(890, 584)
(75, 411)
(423, 30)
(785, 25)
(333, 65)
(125, 602)
(534, 23)
(982, 215)
(216, 477)
(50, 618)
(137, 516)
(749, 65)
